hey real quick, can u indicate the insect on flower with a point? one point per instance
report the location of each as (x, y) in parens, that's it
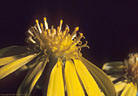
(55, 54)
(124, 75)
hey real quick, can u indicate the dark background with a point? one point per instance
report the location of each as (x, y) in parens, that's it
(110, 27)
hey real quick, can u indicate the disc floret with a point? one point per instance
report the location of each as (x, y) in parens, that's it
(132, 67)
(56, 41)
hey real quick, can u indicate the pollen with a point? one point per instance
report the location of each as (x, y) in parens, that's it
(56, 41)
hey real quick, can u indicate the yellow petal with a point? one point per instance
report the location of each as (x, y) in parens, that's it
(6, 60)
(130, 90)
(119, 86)
(56, 84)
(88, 81)
(101, 78)
(9, 68)
(73, 85)
(31, 78)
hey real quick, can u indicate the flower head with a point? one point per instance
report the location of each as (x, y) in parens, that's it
(55, 54)
(56, 41)
(124, 75)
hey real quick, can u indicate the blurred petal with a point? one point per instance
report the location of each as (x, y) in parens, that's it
(115, 64)
(6, 60)
(112, 78)
(114, 68)
(44, 79)
(9, 68)
(32, 77)
(130, 90)
(12, 50)
(100, 77)
(73, 85)
(88, 81)
(56, 84)
(24, 67)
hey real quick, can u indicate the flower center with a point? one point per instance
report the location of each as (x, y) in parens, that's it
(132, 67)
(55, 41)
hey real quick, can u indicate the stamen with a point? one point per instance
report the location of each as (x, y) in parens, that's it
(73, 35)
(58, 30)
(45, 34)
(65, 32)
(84, 45)
(53, 32)
(38, 26)
(31, 39)
(52, 27)
(59, 41)
(35, 29)
(49, 32)
(60, 26)
(77, 40)
(30, 33)
(45, 22)
(67, 28)
(42, 28)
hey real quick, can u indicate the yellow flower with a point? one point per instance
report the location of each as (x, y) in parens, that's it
(124, 75)
(55, 54)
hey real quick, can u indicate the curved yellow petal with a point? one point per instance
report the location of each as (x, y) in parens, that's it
(130, 90)
(101, 78)
(31, 78)
(6, 60)
(73, 85)
(56, 84)
(88, 81)
(9, 68)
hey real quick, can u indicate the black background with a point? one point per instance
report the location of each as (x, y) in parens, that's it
(110, 27)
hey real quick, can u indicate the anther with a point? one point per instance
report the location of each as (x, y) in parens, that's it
(38, 26)
(60, 26)
(73, 35)
(42, 26)
(45, 22)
